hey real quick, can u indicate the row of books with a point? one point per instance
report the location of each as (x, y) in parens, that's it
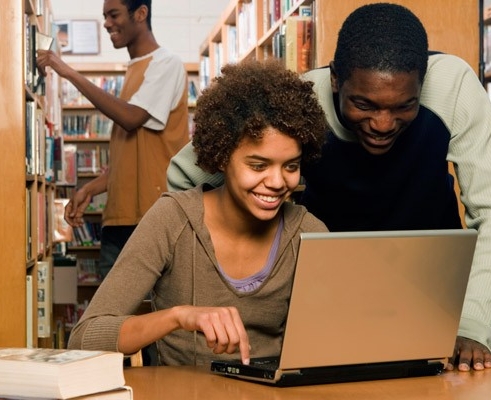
(93, 160)
(274, 10)
(298, 43)
(71, 96)
(292, 42)
(31, 74)
(88, 234)
(40, 144)
(70, 161)
(37, 209)
(246, 27)
(85, 126)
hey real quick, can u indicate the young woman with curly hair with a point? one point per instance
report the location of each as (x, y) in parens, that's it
(219, 262)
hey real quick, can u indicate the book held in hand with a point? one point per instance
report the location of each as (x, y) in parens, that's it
(58, 373)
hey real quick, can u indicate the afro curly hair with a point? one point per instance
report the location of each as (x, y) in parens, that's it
(247, 98)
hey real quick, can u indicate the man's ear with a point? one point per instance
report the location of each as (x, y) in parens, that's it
(141, 14)
(334, 78)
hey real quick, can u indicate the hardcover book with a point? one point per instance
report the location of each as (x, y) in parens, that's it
(57, 373)
(298, 42)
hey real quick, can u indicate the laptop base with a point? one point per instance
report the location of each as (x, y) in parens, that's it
(324, 375)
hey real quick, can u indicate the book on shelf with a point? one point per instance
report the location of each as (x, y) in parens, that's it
(59, 160)
(272, 13)
(278, 43)
(28, 54)
(70, 164)
(28, 225)
(88, 234)
(41, 225)
(88, 160)
(50, 159)
(29, 312)
(246, 27)
(88, 271)
(30, 137)
(305, 10)
(44, 297)
(192, 93)
(58, 373)
(298, 43)
(87, 126)
(232, 51)
(204, 72)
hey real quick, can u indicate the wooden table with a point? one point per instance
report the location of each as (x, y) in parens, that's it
(191, 383)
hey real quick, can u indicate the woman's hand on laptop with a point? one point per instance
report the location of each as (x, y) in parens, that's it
(469, 353)
(222, 327)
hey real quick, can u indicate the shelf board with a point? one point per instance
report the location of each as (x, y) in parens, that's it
(88, 284)
(83, 248)
(68, 139)
(99, 67)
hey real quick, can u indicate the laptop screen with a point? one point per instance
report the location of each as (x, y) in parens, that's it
(372, 297)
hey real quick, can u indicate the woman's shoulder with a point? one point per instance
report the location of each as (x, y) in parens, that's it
(297, 216)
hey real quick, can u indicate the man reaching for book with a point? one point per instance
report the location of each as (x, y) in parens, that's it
(151, 125)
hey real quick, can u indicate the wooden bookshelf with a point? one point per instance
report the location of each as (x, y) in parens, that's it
(451, 28)
(26, 196)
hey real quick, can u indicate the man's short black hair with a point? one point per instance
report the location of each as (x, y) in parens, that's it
(132, 6)
(381, 37)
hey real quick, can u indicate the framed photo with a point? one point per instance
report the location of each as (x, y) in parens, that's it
(78, 37)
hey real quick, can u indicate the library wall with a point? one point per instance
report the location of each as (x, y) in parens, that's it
(180, 26)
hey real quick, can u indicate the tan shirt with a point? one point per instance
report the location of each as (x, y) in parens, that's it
(138, 160)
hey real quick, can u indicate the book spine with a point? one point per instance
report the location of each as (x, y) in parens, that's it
(29, 312)
(44, 300)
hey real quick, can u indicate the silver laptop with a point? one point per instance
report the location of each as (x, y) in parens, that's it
(369, 305)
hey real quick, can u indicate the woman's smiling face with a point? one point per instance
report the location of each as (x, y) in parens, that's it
(263, 173)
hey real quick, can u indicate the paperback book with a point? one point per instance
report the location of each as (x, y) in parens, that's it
(58, 373)
(122, 393)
